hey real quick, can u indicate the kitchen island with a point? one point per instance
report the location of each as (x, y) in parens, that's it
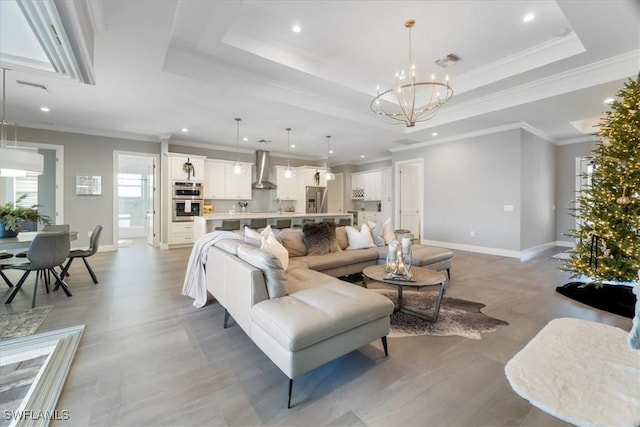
(208, 222)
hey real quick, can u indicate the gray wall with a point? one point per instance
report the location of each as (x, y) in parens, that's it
(47, 184)
(566, 184)
(88, 155)
(538, 177)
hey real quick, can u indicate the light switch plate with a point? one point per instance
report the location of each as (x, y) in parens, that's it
(508, 208)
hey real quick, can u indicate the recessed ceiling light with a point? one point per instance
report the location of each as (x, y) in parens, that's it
(528, 17)
(608, 101)
(330, 151)
(185, 130)
(45, 109)
(362, 156)
(245, 139)
(296, 28)
(293, 145)
(434, 134)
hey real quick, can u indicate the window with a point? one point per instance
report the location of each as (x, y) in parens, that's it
(130, 185)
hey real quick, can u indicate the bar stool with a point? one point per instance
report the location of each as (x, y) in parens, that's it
(305, 221)
(344, 221)
(229, 225)
(283, 223)
(256, 223)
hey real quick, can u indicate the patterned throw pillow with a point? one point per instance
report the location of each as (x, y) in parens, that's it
(320, 238)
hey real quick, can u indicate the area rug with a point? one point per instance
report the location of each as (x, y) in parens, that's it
(580, 371)
(457, 316)
(616, 299)
(23, 323)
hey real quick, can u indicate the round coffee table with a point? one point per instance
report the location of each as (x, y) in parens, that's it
(422, 277)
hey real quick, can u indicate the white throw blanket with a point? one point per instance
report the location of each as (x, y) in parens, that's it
(195, 283)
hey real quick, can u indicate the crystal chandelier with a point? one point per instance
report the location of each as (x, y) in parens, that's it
(237, 167)
(328, 175)
(288, 172)
(416, 101)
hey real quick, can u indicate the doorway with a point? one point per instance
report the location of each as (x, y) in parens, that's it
(409, 200)
(135, 199)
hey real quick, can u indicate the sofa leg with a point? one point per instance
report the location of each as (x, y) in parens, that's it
(226, 318)
(290, 389)
(449, 273)
(384, 345)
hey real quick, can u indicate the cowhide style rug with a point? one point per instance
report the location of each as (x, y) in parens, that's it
(457, 316)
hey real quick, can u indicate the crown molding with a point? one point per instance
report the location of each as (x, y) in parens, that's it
(586, 138)
(537, 132)
(94, 132)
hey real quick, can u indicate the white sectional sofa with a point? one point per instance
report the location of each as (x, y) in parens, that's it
(319, 319)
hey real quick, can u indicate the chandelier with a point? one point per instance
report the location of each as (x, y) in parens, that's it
(237, 167)
(288, 172)
(328, 175)
(416, 101)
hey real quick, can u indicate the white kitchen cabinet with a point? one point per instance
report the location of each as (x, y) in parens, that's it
(215, 179)
(181, 233)
(287, 188)
(385, 194)
(176, 165)
(365, 216)
(308, 176)
(238, 186)
(357, 186)
(372, 185)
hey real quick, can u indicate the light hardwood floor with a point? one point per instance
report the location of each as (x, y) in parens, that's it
(148, 357)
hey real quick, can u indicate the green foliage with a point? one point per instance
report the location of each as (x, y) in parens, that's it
(608, 246)
(11, 214)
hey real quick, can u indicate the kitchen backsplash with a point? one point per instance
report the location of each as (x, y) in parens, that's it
(262, 201)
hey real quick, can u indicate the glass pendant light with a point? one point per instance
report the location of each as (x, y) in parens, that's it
(328, 175)
(288, 172)
(237, 167)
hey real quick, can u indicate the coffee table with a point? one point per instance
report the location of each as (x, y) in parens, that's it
(422, 277)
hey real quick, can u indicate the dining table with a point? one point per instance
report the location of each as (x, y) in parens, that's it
(23, 240)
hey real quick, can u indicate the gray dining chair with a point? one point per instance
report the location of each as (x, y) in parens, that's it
(55, 227)
(94, 241)
(5, 255)
(47, 250)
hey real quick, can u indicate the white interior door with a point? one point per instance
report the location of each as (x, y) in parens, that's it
(335, 193)
(410, 188)
(151, 210)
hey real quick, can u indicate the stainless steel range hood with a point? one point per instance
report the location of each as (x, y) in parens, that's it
(262, 172)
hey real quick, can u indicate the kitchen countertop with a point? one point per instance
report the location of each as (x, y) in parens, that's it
(258, 215)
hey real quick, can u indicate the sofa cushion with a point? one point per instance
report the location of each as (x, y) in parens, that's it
(341, 237)
(320, 238)
(274, 247)
(360, 239)
(293, 241)
(376, 233)
(421, 255)
(338, 259)
(254, 237)
(325, 310)
(274, 274)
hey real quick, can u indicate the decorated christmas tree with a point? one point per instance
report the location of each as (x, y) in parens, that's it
(608, 237)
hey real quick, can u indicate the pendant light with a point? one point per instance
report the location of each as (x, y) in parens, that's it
(328, 175)
(288, 172)
(237, 167)
(13, 161)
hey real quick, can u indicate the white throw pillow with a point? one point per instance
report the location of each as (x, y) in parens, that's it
(387, 231)
(253, 237)
(270, 244)
(359, 239)
(376, 233)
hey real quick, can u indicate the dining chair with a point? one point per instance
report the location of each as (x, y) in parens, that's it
(94, 240)
(229, 225)
(5, 255)
(47, 250)
(58, 227)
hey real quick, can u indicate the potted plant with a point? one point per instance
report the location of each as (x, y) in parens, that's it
(11, 214)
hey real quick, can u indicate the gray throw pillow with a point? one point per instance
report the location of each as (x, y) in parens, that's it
(292, 240)
(320, 238)
(274, 275)
(341, 237)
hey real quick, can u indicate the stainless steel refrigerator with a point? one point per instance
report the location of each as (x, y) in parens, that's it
(316, 200)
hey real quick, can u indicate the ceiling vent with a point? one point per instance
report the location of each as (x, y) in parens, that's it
(448, 60)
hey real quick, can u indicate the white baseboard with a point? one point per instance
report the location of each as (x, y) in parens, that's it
(565, 243)
(471, 248)
(524, 255)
